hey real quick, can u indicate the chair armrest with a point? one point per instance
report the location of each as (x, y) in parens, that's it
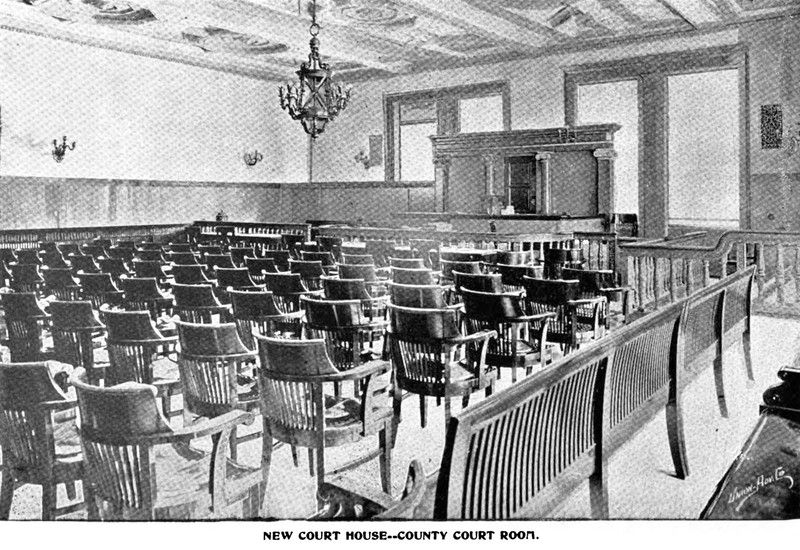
(587, 301)
(362, 371)
(536, 317)
(59, 405)
(203, 429)
(475, 337)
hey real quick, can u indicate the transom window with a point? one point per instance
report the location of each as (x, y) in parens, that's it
(413, 117)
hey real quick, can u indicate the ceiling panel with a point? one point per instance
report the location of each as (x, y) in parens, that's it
(365, 39)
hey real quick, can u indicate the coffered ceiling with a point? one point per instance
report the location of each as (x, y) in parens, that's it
(365, 39)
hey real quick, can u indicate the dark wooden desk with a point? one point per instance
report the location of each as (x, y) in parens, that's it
(764, 480)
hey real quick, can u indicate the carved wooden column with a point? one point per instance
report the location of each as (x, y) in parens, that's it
(606, 192)
(543, 203)
(489, 201)
(441, 197)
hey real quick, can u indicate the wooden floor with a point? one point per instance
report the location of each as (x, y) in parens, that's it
(641, 482)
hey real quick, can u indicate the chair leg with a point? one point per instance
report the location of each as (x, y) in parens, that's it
(266, 453)
(320, 468)
(6, 493)
(294, 456)
(385, 439)
(72, 490)
(447, 412)
(49, 502)
(489, 389)
(233, 444)
(92, 511)
(465, 401)
(311, 461)
(423, 411)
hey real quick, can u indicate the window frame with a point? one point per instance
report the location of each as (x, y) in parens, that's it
(652, 72)
(447, 114)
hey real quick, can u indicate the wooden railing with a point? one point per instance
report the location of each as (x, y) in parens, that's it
(664, 271)
(29, 238)
(599, 248)
(209, 229)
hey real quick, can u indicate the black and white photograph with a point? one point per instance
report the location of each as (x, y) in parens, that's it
(488, 272)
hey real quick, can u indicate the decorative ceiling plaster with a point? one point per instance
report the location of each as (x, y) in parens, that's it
(367, 39)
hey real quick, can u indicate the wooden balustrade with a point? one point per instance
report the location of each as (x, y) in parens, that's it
(664, 271)
(241, 230)
(600, 249)
(29, 238)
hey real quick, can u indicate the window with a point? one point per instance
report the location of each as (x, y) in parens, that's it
(691, 143)
(411, 118)
(617, 102)
(704, 149)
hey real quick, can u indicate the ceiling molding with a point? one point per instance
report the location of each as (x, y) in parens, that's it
(200, 61)
(407, 36)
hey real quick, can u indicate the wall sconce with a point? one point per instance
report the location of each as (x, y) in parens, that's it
(60, 150)
(252, 160)
(375, 156)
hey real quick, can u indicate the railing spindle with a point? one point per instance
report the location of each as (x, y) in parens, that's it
(780, 276)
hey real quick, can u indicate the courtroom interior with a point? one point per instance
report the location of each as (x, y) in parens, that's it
(399, 259)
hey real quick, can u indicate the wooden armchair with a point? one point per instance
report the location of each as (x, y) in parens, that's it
(576, 321)
(376, 284)
(512, 275)
(53, 259)
(310, 272)
(287, 288)
(419, 296)
(357, 259)
(298, 407)
(99, 288)
(26, 278)
(481, 282)
(138, 352)
(187, 274)
(431, 358)
(145, 269)
(280, 257)
(74, 326)
(413, 276)
(601, 282)
(144, 294)
(142, 469)
(239, 253)
(183, 258)
(257, 312)
(116, 267)
(81, 263)
(521, 338)
(234, 279)
(29, 256)
(213, 375)
(258, 266)
(218, 260)
(150, 256)
(198, 304)
(373, 307)
(61, 284)
(449, 266)
(347, 329)
(407, 263)
(325, 258)
(39, 437)
(24, 322)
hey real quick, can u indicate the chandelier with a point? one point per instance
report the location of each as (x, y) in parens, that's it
(315, 101)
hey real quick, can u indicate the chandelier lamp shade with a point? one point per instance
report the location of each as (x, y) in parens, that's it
(315, 100)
